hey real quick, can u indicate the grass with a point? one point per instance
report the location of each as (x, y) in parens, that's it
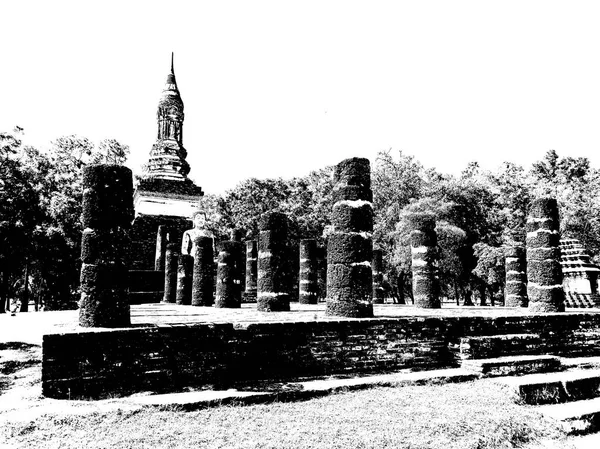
(473, 415)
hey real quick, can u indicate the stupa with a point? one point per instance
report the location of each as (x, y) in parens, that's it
(164, 194)
(580, 275)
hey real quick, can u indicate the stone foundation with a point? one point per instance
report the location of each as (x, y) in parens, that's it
(169, 358)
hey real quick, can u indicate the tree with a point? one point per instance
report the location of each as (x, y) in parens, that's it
(19, 215)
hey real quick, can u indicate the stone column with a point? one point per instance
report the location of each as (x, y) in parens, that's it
(203, 272)
(171, 258)
(544, 272)
(240, 262)
(516, 276)
(309, 288)
(321, 273)
(251, 259)
(272, 292)
(107, 213)
(423, 242)
(161, 246)
(229, 293)
(185, 268)
(349, 246)
(377, 268)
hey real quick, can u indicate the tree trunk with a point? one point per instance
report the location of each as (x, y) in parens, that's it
(468, 297)
(492, 297)
(25, 295)
(482, 292)
(456, 295)
(400, 288)
(3, 294)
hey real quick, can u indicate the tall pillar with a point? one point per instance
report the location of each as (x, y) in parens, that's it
(229, 293)
(309, 288)
(185, 268)
(350, 247)
(171, 259)
(161, 246)
(107, 213)
(423, 242)
(251, 260)
(377, 268)
(321, 273)
(544, 272)
(272, 291)
(203, 272)
(240, 262)
(516, 276)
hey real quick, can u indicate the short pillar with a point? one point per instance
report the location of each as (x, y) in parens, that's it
(377, 268)
(272, 293)
(251, 260)
(161, 247)
(229, 293)
(308, 280)
(203, 278)
(350, 246)
(544, 272)
(171, 260)
(107, 213)
(423, 242)
(516, 276)
(185, 268)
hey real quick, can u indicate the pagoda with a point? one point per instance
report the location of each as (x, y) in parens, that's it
(164, 194)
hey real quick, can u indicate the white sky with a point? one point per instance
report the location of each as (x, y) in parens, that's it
(280, 88)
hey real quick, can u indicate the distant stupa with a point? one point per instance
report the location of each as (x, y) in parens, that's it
(164, 194)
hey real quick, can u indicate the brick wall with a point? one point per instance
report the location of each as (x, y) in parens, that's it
(104, 363)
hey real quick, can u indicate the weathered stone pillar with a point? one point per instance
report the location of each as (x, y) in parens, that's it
(544, 273)
(161, 246)
(321, 273)
(350, 247)
(251, 259)
(240, 262)
(309, 288)
(516, 276)
(229, 293)
(272, 291)
(203, 272)
(171, 259)
(185, 268)
(423, 242)
(377, 268)
(107, 213)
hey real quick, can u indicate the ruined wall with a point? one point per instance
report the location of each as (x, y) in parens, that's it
(175, 357)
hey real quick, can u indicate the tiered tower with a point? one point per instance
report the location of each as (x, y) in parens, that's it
(164, 195)
(580, 275)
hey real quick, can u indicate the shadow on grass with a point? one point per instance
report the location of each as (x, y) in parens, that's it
(18, 345)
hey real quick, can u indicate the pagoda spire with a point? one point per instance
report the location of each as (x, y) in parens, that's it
(172, 71)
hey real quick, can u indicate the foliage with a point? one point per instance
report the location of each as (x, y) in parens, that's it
(40, 212)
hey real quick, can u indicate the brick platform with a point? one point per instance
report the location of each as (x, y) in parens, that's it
(174, 348)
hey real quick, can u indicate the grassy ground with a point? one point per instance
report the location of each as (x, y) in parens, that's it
(471, 415)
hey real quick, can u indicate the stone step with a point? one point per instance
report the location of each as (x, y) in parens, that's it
(580, 362)
(488, 346)
(145, 297)
(577, 417)
(512, 365)
(553, 388)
